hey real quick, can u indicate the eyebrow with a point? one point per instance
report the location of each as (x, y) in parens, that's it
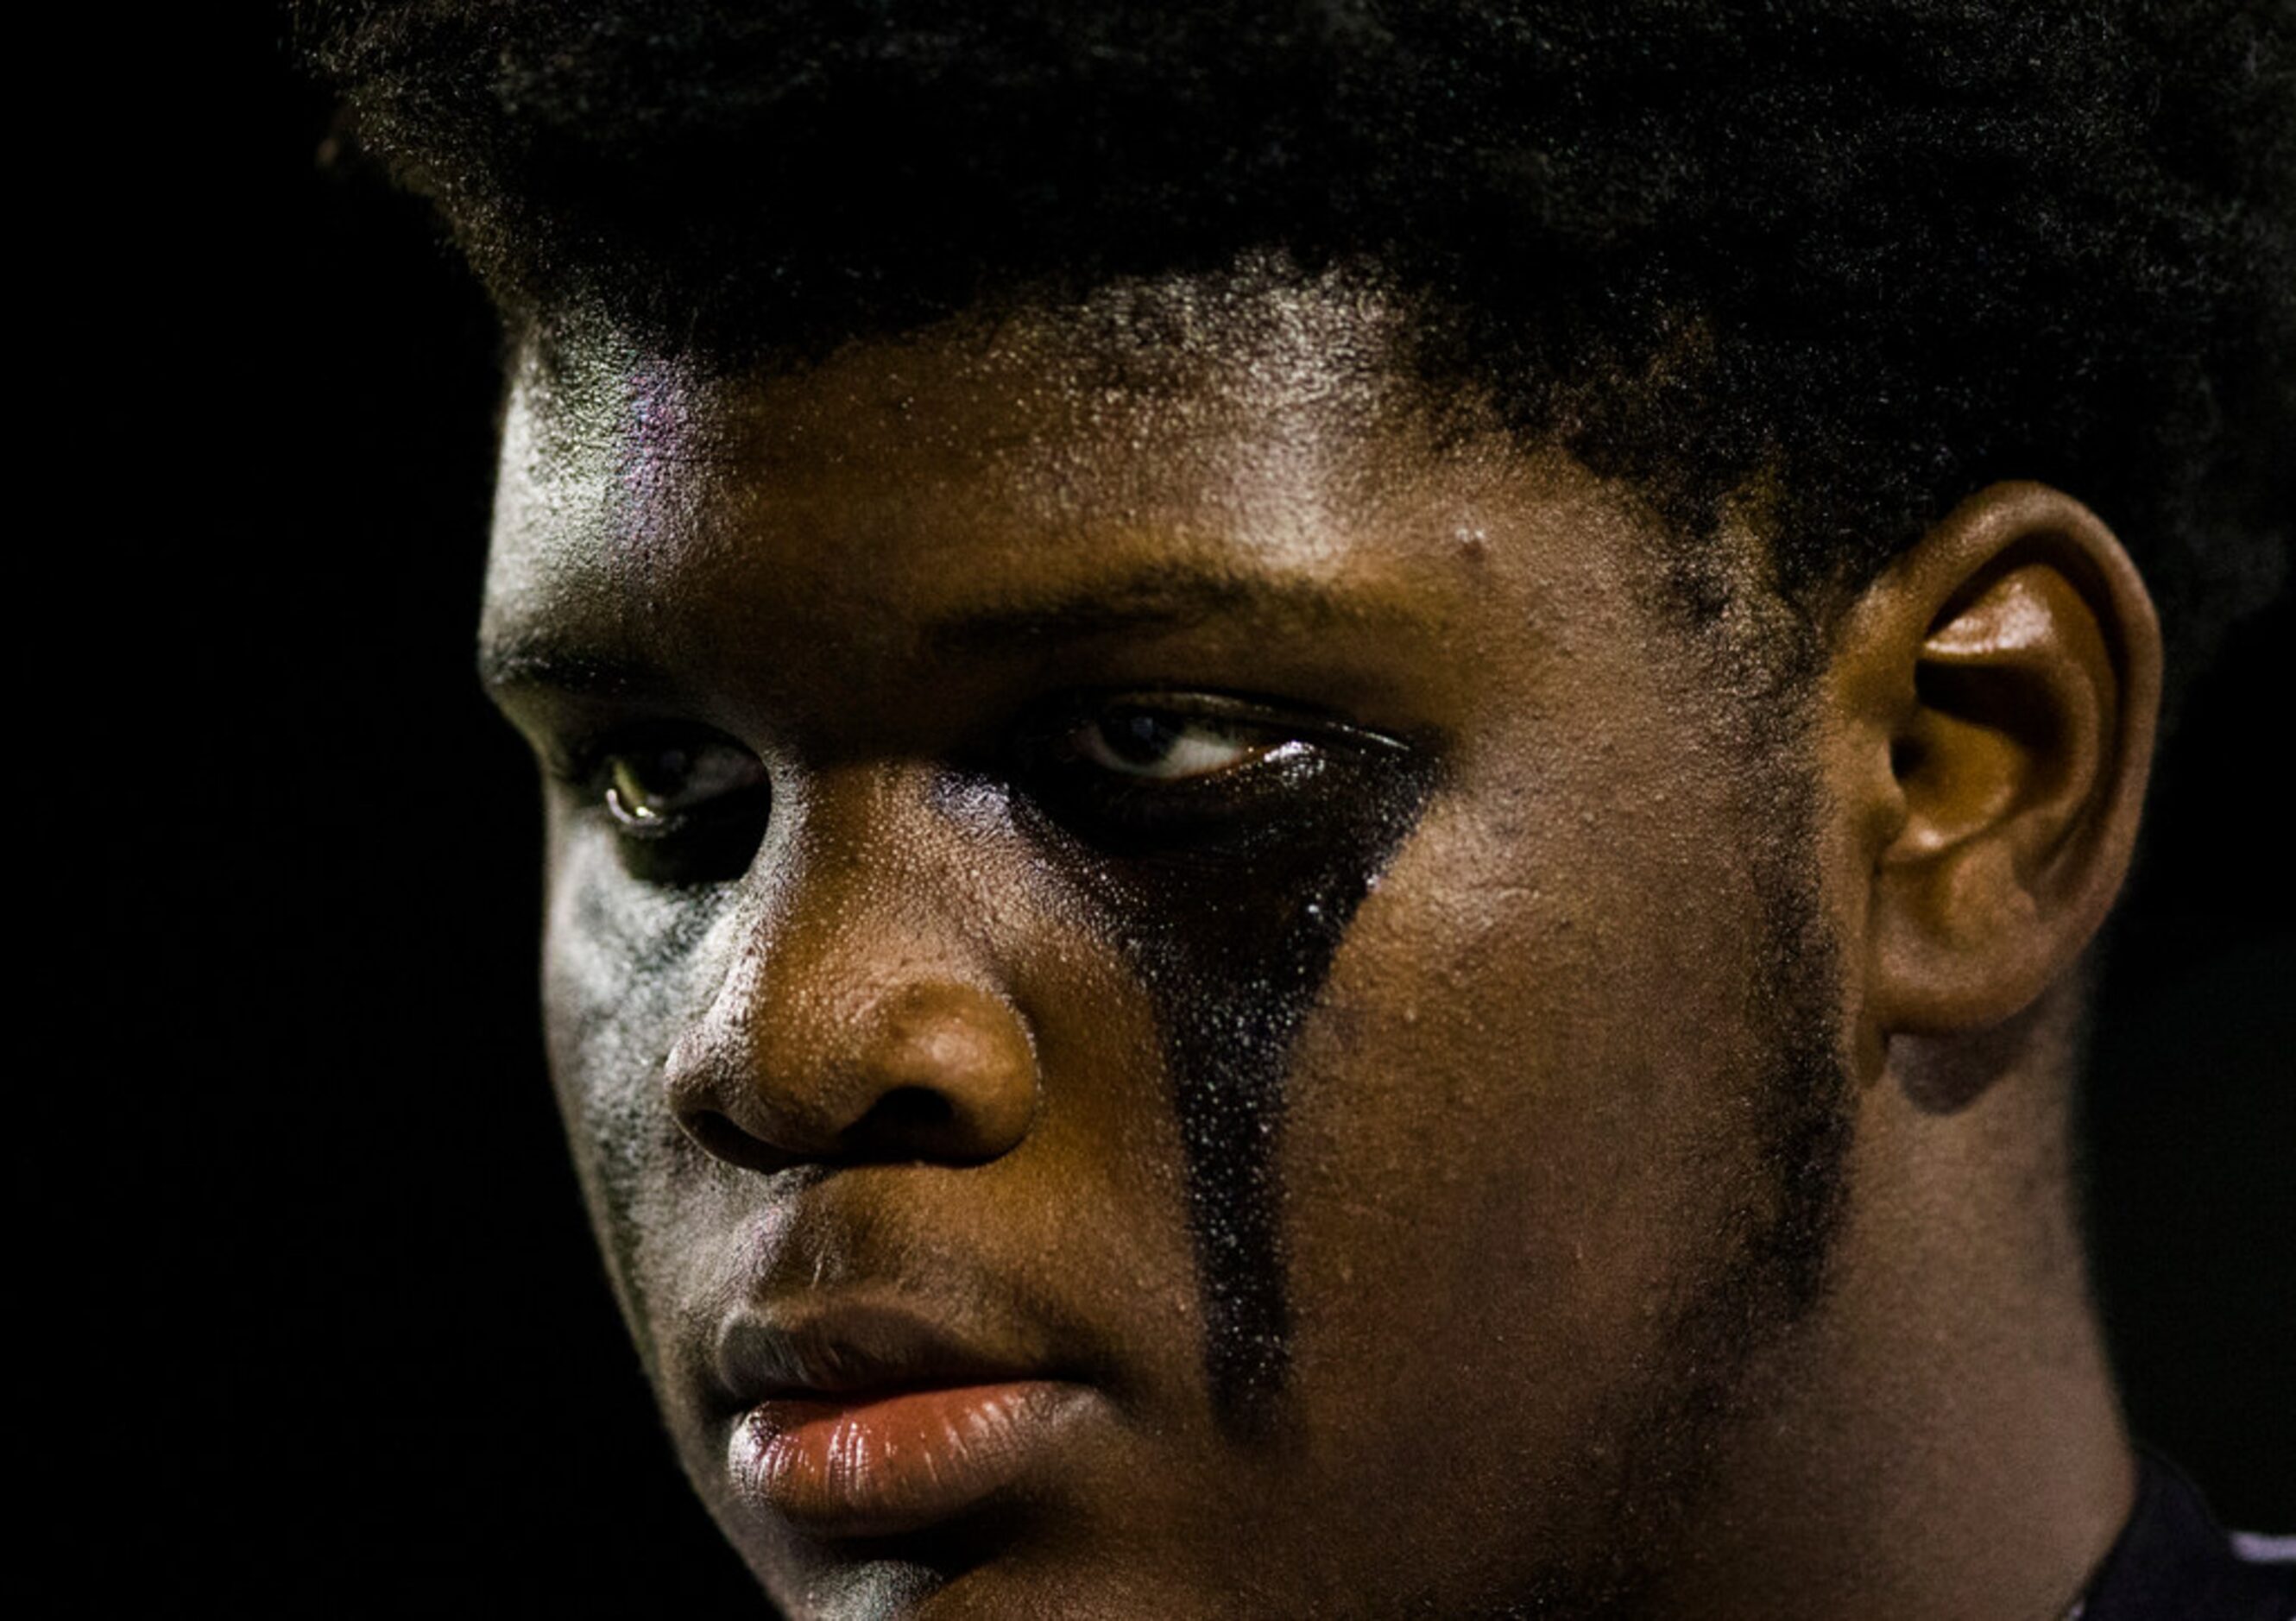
(1159, 599)
(528, 660)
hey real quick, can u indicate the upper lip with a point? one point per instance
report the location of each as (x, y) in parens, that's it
(852, 1346)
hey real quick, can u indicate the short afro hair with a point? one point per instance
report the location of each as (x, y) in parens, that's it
(1864, 255)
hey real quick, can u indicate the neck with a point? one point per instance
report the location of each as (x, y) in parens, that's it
(1940, 1438)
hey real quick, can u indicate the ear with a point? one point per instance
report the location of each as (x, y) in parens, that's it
(1997, 690)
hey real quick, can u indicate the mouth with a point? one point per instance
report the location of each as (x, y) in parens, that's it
(863, 1422)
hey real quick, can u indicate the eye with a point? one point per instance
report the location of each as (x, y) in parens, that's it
(653, 791)
(1190, 772)
(1165, 745)
(686, 807)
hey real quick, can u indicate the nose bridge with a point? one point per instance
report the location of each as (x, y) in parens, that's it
(862, 902)
(862, 1013)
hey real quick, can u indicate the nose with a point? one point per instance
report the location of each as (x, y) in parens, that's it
(861, 1019)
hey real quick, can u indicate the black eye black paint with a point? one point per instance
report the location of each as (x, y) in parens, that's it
(1234, 946)
(1230, 897)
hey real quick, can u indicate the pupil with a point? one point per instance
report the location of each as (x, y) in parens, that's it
(1141, 738)
(660, 777)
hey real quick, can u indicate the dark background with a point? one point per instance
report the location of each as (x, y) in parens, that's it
(314, 1323)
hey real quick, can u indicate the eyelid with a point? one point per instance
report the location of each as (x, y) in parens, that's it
(581, 764)
(1281, 720)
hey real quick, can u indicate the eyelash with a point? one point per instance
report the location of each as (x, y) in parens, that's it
(1050, 760)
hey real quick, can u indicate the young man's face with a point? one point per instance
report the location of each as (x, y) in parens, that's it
(1166, 974)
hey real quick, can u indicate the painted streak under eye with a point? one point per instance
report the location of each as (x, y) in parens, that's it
(1230, 897)
(1229, 894)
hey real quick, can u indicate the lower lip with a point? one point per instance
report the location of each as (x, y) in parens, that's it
(876, 1466)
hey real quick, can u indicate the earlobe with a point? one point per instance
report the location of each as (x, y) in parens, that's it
(2001, 684)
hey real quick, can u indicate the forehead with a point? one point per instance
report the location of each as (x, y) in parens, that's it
(1221, 461)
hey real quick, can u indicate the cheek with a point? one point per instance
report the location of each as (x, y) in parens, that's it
(624, 967)
(1525, 1128)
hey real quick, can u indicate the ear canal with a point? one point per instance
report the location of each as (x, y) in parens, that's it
(2026, 665)
(2013, 718)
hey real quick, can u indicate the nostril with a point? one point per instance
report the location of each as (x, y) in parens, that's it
(905, 1120)
(721, 1138)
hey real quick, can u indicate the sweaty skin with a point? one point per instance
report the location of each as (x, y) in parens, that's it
(1215, 904)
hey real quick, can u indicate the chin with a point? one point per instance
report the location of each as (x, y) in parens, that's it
(947, 1583)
